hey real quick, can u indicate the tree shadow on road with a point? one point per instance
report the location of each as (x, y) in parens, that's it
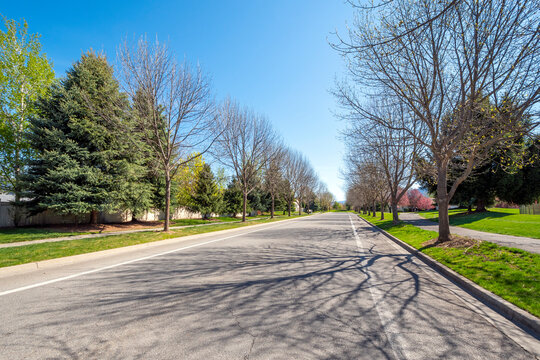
(314, 296)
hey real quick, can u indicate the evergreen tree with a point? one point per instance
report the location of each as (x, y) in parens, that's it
(511, 175)
(523, 185)
(233, 198)
(259, 200)
(84, 164)
(206, 198)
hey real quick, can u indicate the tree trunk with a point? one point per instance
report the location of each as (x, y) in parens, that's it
(272, 210)
(442, 200)
(16, 189)
(469, 209)
(167, 202)
(480, 205)
(395, 214)
(299, 206)
(244, 209)
(289, 203)
(382, 211)
(17, 208)
(374, 209)
(94, 217)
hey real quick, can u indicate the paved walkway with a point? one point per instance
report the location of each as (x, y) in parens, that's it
(524, 243)
(87, 236)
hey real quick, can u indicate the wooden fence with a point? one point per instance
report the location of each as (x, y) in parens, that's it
(530, 209)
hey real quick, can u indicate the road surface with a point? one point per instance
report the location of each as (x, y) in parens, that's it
(320, 287)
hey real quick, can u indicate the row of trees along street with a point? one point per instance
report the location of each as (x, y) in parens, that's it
(441, 92)
(91, 142)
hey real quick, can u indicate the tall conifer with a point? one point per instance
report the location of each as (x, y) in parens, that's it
(84, 164)
(207, 197)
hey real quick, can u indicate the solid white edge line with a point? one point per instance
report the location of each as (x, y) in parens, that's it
(395, 349)
(28, 287)
(501, 323)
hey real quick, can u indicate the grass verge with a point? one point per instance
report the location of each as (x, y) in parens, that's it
(11, 235)
(495, 220)
(512, 274)
(185, 222)
(45, 251)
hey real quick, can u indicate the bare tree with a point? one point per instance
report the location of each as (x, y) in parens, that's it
(300, 177)
(326, 198)
(286, 191)
(245, 145)
(420, 23)
(273, 173)
(358, 196)
(354, 199)
(366, 181)
(173, 105)
(394, 149)
(307, 181)
(468, 75)
(292, 168)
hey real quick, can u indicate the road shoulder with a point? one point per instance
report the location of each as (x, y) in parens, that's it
(526, 321)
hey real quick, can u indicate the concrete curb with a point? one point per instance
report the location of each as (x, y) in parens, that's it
(505, 308)
(67, 260)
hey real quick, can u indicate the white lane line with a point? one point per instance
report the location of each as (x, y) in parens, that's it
(385, 316)
(519, 336)
(7, 292)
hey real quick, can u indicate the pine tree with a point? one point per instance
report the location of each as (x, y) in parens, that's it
(512, 175)
(207, 197)
(523, 185)
(259, 200)
(84, 165)
(233, 198)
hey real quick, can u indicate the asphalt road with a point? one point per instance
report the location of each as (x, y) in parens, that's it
(302, 289)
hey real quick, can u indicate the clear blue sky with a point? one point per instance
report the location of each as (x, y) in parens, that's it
(273, 56)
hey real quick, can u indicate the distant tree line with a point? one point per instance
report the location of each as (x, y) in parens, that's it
(137, 139)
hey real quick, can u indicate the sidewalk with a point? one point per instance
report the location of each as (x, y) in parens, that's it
(88, 236)
(524, 243)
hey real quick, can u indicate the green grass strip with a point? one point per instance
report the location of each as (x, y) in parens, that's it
(45, 251)
(496, 220)
(512, 274)
(11, 235)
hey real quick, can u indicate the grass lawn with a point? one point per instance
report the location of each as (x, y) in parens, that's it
(26, 234)
(495, 220)
(513, 274)
(44, 251)
(12, 235)
(184, 222)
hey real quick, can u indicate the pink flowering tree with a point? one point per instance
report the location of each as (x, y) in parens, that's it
(425, 203)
